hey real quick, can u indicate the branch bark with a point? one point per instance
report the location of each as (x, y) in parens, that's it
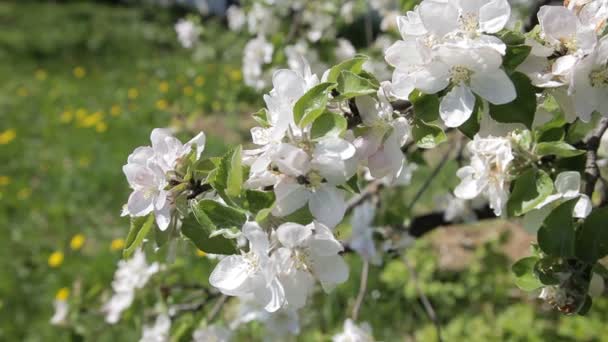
(592, 141)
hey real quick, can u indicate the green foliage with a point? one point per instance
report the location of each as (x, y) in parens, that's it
(523, 108)
(328, 124)
(426, 107)
(354, 65)
(525, 278)
(140, 227)
(427, 135)
(557, 148)
(207, 217)
(228, 177)
(312, 104)
(592, 238)
(557, 234)
(531, 188)
(352, 85)
(473, 124)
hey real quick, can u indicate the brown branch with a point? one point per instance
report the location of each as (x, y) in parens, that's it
(362, 290)
(592, 141)
(216, 308)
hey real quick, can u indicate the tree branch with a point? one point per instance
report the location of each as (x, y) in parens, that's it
(370, 191)
(428, 307)
(592, 141)
(216, 308)
(362, 290)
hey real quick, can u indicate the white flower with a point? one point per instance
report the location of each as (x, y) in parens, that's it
(361, 240)
(488, 173)
(563, 30)
(483, 16)
(236, 18)
(146, 171)
(256, 54)
(261, 20)
(62, 309)
(159, 331)
(251, 273)
(131, 274)
(187, 32)
(212, 333)
(590, 83)
(308, 252)
(567, 185)
(278, 324)
(354, 333)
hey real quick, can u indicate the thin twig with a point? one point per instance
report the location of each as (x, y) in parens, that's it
(362, 290)
(216, 308)
(592, 172)
(428, 307)
(370, 191)
(429, 180)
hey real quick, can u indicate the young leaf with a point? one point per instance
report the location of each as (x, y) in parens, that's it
(592, 238)
(261, 117)
(525, 278)
(258, 200)
(557, 148)
(352, 85)
(328, 124)
(198, 229)
(516, 54)
(312, 104)
(427, 135)
(220, 215)
(140, 227)
(354, 65)
(235, 173)
(530, 189)
(523, 108)
(557, 235)
(426, 106)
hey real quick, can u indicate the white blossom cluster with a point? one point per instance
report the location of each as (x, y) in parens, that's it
(570, 58)
(132, 274)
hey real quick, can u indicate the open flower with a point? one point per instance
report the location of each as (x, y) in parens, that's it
(353, 332)
(590, 83)
(251, 273)
(488, 173)
(361, 240)
(307, 253)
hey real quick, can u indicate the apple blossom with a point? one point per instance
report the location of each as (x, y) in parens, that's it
(157, 332)
(354, 333)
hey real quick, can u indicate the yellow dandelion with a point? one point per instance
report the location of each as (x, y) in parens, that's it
(162, 104)
(132, 93)
(101, 127)
(92, 120)
(200, 253)
(7, 136)
(235, 75)
(5, 180)
(62, 294)
(188, 90)
(199, 98)
(163, 86)
(115, 110)
(84, 161)
(79, 72)
(199, 81)
(40, 74)
(117, 244)
(81, 114)
(77, 242)
(23, 92)
(24, 194)
(66, 116)
(55, 259)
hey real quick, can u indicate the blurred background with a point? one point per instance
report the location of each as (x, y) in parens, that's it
(82, 83)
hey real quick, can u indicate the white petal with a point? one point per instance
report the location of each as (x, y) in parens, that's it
(290, 196)
(494, 15)
(198, 142)
(469, 187)
(568, 184)
(288, 84)
(163, 216)
(323, 241)
(230, 274)
(403, 54)
(439, 18)
(298, 285)
(327, 205)
(140, 203)
(496, 87)
(292, 235)
(431, 79)
(583, 207)
(330, 270)
(291, 160)
(457, 106)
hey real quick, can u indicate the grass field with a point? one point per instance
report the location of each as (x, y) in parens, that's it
(82, 85)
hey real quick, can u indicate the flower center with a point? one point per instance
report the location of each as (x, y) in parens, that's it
(460, 74)
(570, 44)
(469, 22)
(599, 78)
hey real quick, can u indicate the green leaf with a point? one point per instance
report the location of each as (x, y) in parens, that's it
(426, 106)
(140, 227)
(235, 173)
(592, 238)
(258, 200)
(557, 148)
(227, 179)
(261, 117)
(556, 237)
(312, 104)
(511, 37)
(530, 189)
(470, 127)
(427, 135)
(523, 108)
(584, 309)
(525, 278)
(328, 124)
(197, 229)
(352, 85)
(580, 129)
(220, 215)
(354, 65)
(516, 54)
